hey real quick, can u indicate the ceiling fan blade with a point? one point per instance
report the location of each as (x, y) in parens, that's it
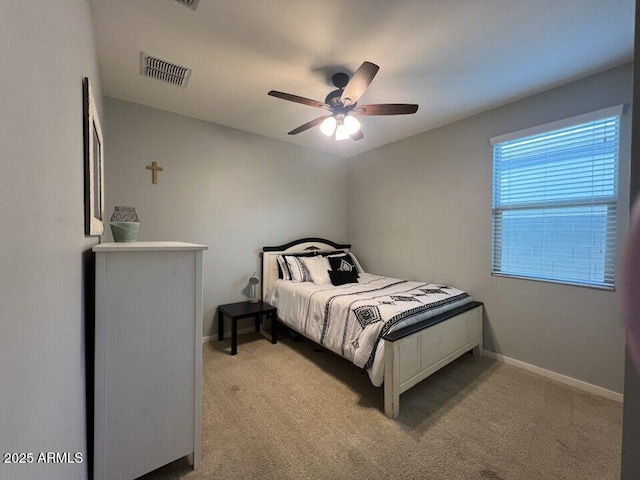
(386, 109)
(297, 99)
(358, 135)
(308, 125)
(359, 83)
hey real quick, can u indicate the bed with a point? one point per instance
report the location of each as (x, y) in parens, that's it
(399, 331)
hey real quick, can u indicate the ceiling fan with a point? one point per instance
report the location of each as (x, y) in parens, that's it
(343, 105)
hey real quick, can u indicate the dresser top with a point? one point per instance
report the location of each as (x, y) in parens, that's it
(146, 246)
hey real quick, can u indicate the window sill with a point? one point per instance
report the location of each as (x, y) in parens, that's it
(558, 282)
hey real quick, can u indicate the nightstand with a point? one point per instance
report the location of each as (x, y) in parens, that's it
(240, 310)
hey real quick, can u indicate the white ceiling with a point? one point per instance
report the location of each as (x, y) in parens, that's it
(454, 58)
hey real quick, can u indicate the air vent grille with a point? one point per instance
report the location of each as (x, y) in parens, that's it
(164, 71)
(192, 4)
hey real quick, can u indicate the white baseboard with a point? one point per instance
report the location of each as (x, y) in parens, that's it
(227, 335)
(579, 384)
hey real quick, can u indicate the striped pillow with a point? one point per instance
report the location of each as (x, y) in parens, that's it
(318, 268)
(297, 269)
(283, 269)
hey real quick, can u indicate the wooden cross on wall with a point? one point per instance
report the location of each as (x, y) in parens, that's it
(154, 172)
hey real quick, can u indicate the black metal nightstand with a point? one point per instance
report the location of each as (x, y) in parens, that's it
(240, 310)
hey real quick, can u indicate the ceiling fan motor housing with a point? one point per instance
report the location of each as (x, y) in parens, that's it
(333, 99)
(335, 103)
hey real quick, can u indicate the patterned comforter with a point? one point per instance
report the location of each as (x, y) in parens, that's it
(351, 319)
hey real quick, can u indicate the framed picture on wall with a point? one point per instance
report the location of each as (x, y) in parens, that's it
(93, 164)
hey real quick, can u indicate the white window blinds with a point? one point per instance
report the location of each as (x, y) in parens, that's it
(555, 196)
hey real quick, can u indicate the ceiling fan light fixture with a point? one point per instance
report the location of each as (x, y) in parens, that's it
(342, 132)
(328, 126)
(352, 124)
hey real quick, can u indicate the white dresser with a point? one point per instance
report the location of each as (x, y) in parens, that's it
(148, 356)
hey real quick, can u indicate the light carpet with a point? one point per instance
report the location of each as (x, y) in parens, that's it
(294, 411)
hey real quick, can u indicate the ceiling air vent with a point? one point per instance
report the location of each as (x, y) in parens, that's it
(192, 4)
(167, 72)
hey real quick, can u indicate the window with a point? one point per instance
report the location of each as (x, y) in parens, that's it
(555, 195)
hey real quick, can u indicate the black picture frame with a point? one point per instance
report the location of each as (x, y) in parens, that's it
(93, 164)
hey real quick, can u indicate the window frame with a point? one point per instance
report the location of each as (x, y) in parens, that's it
(610, 257)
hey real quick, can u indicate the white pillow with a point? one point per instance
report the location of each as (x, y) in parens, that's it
(297, 268)
(318, 268)
(358, 266)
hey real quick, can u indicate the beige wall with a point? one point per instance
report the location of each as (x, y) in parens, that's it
(231, 190)
(421, 209)
(45, 50)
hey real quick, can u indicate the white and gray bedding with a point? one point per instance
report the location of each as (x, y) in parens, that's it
(351, 319)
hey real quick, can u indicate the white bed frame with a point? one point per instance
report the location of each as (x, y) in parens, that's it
(412, 353)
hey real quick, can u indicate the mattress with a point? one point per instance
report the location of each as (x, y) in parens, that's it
(351, 319)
